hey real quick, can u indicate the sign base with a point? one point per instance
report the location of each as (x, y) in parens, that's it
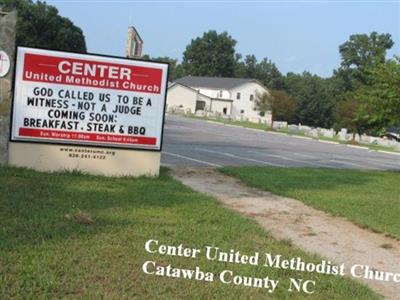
(90, 160)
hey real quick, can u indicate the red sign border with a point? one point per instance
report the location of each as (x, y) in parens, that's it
(86, 144)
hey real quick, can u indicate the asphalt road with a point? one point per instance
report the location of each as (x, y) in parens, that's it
(192, 142)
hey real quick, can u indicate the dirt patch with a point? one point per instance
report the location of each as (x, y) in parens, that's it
(334, 238)
(80, 217)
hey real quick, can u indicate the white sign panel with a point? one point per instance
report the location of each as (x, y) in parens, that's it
(70, 98)
(4, 64)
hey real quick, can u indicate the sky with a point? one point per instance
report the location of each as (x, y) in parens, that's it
(296, 35)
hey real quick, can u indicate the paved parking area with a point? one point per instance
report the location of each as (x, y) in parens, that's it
(193, 142)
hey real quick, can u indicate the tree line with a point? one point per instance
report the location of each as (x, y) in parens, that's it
(363, 94)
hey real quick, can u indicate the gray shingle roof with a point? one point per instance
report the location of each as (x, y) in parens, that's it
(224, 83)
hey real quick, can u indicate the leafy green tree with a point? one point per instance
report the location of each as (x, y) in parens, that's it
(212, 54)
(269, 75)
(281, 106)
(39, 25)
(380, 98)
(265, 71)
(360, 53)
(314, 98)
(264, 103)
(251, 66)
(347, 115)
(362, 57)
(284, 106)
(240, 68)
(173, 64)
(179, 72)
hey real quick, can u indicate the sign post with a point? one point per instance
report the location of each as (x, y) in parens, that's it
(7, 49)
(98, 114)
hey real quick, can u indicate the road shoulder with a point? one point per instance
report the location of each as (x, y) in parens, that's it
(312, 230)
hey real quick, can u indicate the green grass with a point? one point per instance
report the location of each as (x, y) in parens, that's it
(45, 253)
(368, 198)
(245, 124)
(378, 147)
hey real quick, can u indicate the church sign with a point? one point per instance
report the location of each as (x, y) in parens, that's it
(85, 99)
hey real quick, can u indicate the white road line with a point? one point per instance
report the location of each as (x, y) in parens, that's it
(234, 126)
(388, 152)
(301, 137)
(375, 161)
(382, 164)
(390, 162)
(243, 158)
(293, 159)
(328, 142)
(358, 147)
(193, 159)
(277, 133)
(353, 164)
(255, 129)
(305, 155)
(213, 122)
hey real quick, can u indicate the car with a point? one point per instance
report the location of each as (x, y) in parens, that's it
(392, 133)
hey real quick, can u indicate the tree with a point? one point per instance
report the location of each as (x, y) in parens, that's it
(269, 75)
(284, 106)
(212, 54)
(39, 25)
(173, 64)
(380, 99)
(347, 115)
(251, 67)
(314, 98)
(362, 52)
(240, 68)
(281, 106)
(356, 81)
(265, 71)
(179, 72)
(264, 103)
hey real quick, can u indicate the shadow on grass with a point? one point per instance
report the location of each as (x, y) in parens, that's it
(37, 207)
(47, 255)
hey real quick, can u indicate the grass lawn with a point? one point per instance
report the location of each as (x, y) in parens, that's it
(368, 198)
(49, 251)
(377, 147)
(246, 124)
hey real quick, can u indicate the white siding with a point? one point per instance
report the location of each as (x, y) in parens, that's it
(218, 106)
(181, 97)
(244, 108)
(239, 109)
(184, 98)
(201, 97)
(214, 93)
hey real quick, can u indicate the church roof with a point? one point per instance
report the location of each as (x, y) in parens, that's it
(225, 83)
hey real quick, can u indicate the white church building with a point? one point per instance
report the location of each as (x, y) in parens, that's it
(218, 96)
